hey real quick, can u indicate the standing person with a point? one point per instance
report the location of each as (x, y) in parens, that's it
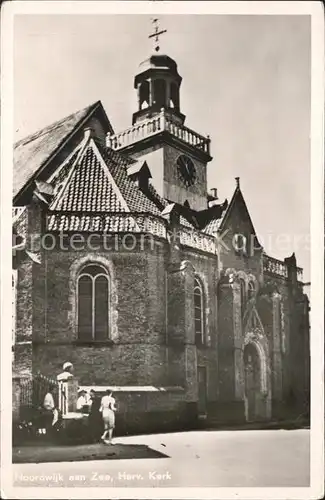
(67, 372)
(95, 421)
(82, 403)
(50, 413)
(107, 409)
(62, 378)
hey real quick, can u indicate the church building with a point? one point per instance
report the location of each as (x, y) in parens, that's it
(126, 265)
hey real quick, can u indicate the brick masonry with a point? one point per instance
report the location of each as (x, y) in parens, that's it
(152, 325)
(151, 308)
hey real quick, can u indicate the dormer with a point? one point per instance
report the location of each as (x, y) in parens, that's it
(140, 173)
(172, 214)
(44, 191)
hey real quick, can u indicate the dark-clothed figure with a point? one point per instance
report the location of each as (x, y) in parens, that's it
(95, 421)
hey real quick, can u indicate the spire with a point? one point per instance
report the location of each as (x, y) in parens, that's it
(156, 34)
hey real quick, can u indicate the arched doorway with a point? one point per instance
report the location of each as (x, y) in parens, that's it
(255, 390)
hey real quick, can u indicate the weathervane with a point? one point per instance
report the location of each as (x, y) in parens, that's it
(156, 33)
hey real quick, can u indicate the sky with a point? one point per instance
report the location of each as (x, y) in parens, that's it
(246, 83)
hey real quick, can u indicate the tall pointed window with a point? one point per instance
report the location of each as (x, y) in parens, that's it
(199, 319)
(93, 304)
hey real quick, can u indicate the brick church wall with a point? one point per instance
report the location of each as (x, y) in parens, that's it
(148, 302)
(141, 352)
(206, 269)
(138, 352)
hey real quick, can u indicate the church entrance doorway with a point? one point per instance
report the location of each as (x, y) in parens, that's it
(202, 391)
(255, 401)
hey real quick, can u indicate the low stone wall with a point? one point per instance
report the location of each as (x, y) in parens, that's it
(151, 409)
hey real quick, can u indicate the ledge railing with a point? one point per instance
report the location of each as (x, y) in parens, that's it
(278, 267)
(274, 266)
(156, 125)
(104, 223)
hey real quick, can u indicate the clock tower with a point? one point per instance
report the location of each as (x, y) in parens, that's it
(176, 155)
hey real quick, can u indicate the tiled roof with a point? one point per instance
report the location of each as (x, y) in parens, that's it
(135, 199)
(31, 152)
(164, 203)
(58, 180)
(212, 219)
(213, 226)
(120, 159)
(89, 189)
(20, 221)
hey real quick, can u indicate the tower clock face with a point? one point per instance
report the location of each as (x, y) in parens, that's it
(186, 170)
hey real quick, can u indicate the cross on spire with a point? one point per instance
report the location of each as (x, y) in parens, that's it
(156, 33)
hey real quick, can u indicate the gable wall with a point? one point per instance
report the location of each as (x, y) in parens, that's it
(239, 223)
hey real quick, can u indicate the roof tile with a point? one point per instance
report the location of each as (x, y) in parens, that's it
(31, 152)
(89, 189)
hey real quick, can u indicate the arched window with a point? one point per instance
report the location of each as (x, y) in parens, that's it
(144, 95)
(199, 319)
(159, 93)
(251, 290)
(93, 303)
(243, 298)
(174, 96)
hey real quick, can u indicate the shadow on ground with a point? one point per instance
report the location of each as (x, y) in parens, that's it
(42, 454)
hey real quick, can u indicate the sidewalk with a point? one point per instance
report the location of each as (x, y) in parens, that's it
(43, 452)
(79, 453)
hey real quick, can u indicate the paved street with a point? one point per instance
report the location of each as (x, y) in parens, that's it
(201, 458)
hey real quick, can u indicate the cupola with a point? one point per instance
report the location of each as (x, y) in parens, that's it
(158, 85)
